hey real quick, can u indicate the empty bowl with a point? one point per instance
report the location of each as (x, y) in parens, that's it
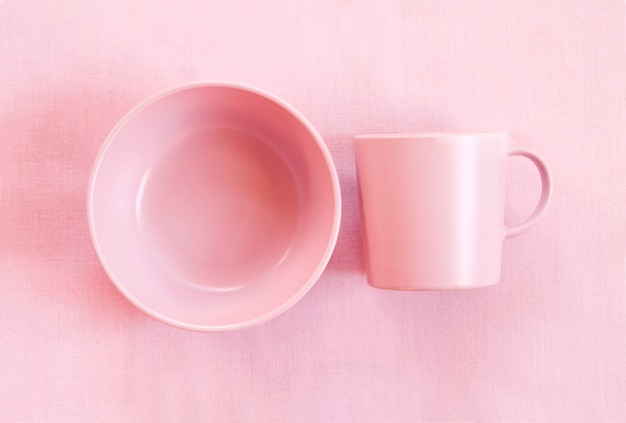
(214, 206)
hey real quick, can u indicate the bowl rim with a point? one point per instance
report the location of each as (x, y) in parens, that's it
(324, 259)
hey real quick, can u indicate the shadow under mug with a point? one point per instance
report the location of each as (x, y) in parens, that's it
(432, 208)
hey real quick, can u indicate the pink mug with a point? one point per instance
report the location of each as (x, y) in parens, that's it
(432, 208)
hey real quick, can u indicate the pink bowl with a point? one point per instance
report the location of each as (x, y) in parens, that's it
(214, 206)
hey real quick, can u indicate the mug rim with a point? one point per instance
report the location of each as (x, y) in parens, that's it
(431, 135)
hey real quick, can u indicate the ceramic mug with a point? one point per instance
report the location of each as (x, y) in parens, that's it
(432, 208)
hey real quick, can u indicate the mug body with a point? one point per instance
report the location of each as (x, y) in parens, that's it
(432, 208)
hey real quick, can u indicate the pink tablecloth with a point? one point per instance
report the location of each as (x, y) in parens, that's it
(546, 344)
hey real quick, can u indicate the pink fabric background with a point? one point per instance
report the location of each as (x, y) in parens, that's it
(546, 344)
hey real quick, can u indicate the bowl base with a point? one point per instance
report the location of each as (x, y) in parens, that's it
(219, 208)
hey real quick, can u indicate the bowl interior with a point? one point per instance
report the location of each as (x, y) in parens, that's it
(213, 207)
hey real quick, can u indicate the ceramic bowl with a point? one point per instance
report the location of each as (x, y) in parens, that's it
(214, 206)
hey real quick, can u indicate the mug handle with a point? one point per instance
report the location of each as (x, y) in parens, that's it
(546, 193)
